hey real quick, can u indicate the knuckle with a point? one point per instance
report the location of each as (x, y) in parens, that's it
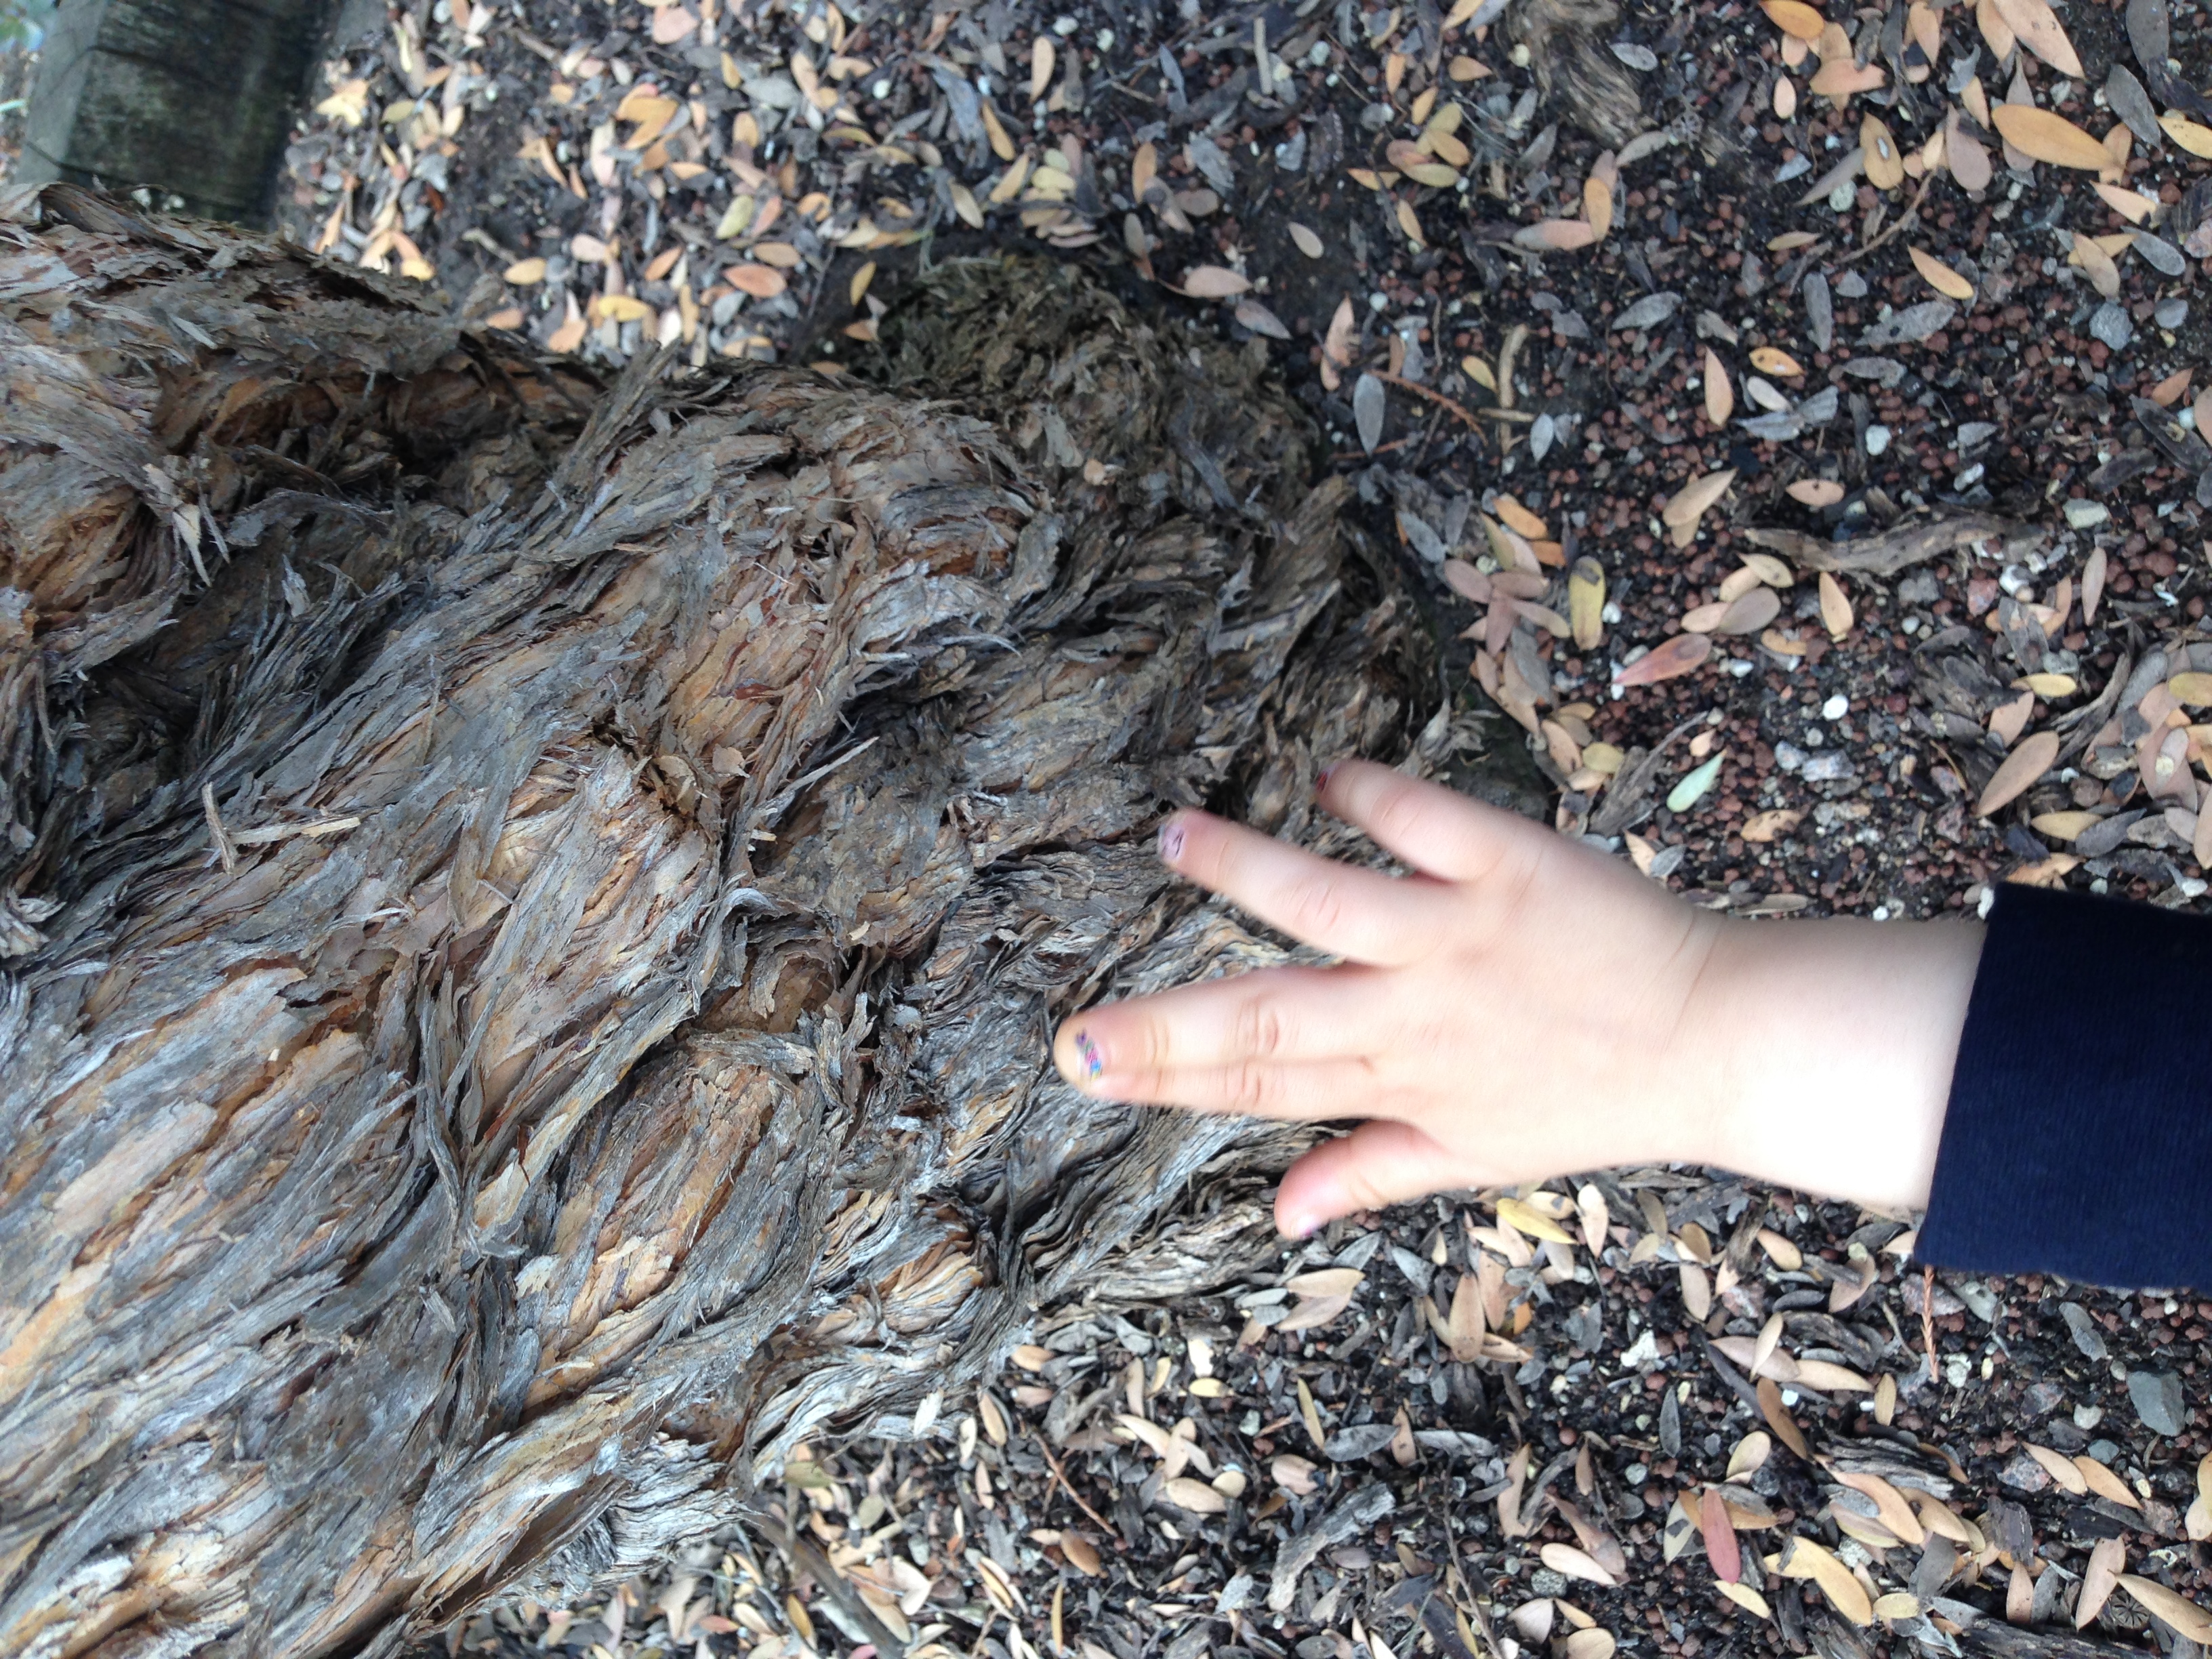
(1260, 1030)
(1317, 905)
(1399, 809)
(1253, 1087)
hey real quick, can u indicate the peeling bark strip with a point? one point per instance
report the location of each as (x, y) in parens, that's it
(662, 823)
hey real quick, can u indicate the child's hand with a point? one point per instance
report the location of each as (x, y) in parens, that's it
(1523, 1007)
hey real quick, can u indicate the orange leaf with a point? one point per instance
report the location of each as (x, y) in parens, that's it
(762, 282)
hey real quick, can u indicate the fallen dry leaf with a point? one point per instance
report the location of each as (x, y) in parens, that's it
(1815, 492)
(2034, 756)
(1885, 167)
(1678, 655)
(1841, 78)
(1836, 613)
(1557, 236)
(2194, 138)
(1941, 277)
(2108, 1559)
(2036, 27)
(1690, 503)
(1720, 395)
(1794, 17)
(2176, 1610)
(1214, 282)
(2041, 135)
(1566, 1558)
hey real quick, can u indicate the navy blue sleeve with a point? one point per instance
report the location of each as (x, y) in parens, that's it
(2078, 1139)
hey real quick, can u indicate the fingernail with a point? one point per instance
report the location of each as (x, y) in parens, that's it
(1296, 1227)
(1320, 782)
(1087, 1052)
(1170, 842)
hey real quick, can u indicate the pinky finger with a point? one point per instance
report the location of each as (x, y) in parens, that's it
(1304, 1092)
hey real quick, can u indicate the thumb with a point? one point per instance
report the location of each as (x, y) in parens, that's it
(1378, 1164)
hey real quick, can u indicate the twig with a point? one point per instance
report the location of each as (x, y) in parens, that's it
(1904, 219)
(1068, 1486)
(1928, 1316)
(1461, 410)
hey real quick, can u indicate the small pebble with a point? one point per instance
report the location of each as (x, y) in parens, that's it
(1877, 440)
(1841, 197)
(2171, 314)
(2086, 515)
(1836, 707)
(2112, 324)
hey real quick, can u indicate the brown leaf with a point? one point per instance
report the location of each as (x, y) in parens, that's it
(1720, 395)
(1796, 18)
(1721, 1547)
(2042, 136)
(1770, 1406)
(1575, 1564)
(1967, 156)
(2107, 1560)
(1676, 656)
(1214, 282)
(1941, 277)
(1556, 235)
(2178, 1611)
(1839, 78)
(1689, 504)
(2037, 28)
(1836, 614)
(762, 282)
(1885, 166)
(2034, 756)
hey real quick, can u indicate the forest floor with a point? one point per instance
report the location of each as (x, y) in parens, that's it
(1539, 280)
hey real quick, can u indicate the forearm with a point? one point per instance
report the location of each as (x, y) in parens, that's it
(1833, 1044)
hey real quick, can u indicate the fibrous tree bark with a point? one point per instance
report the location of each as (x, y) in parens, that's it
(533, 905)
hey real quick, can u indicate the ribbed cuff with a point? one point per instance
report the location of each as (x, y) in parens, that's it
(2078, 1139)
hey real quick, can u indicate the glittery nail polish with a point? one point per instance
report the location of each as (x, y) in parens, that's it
(1170, 841)
(1087, 1051)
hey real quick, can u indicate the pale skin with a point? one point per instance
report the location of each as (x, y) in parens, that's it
(1520, 1006)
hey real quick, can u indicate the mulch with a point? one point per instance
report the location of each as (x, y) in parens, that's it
(1938, 626)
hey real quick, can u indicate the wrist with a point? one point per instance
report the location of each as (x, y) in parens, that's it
(1832, 1044)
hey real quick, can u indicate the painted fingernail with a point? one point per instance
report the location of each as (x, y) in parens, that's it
(1321, 781)
(1087, 1052)
(1170, 842)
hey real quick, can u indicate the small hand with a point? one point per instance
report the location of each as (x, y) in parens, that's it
(1520, 1006)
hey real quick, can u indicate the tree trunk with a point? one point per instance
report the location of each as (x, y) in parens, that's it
(533, 907)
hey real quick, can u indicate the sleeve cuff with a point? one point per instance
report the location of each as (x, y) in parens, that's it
(2078, 1138)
